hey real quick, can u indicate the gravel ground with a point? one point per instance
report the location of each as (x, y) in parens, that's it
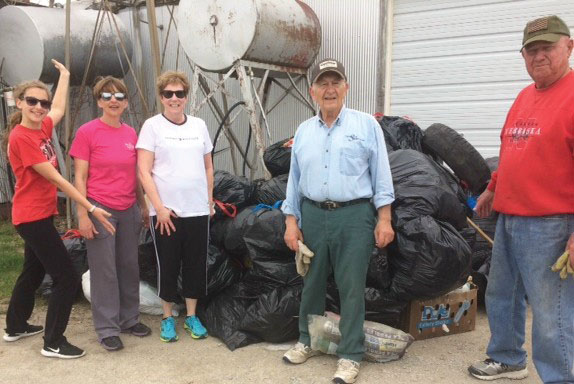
(148, 360)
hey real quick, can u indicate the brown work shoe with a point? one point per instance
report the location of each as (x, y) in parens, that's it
(299, 354)
(347, 371)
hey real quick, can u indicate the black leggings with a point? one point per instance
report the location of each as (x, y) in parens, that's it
(184, 250)
(44, 252)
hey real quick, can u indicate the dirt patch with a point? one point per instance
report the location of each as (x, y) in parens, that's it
(148, 360)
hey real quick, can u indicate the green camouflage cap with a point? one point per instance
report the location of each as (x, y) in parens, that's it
(549, 28)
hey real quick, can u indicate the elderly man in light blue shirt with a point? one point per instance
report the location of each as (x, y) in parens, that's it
(339, 197)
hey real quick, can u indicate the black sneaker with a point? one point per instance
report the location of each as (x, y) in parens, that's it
(31, 330)
(139, 329)
(112, 343)
(64, 350)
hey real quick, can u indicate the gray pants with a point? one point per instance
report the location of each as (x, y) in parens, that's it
(114, 272)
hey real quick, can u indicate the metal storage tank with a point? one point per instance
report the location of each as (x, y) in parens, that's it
(31, 36)
(216, 33)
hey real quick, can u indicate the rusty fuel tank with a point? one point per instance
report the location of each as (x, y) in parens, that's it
(216, 33)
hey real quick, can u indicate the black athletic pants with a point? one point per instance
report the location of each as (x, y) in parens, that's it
(185, 250)
(44, 252)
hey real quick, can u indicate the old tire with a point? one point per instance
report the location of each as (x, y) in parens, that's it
(459, 155)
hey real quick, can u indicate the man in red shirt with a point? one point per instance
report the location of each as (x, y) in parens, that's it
(533, 190)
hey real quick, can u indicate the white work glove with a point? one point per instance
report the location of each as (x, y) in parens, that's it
(303, 258)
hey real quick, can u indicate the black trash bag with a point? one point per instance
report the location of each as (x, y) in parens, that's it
(147, 259)
(480, 279)
(76, 247)
(428, 258)
(270, 191)
(378, 274)
(271, 259)
(379, 305)
(379, 308)
(424, 188)
(45, 288)
(274, 316)
(218, 231)
(469, 235)
(272, 262)
(78, 252)
(277, 157)
(228, 188)
(482, 250)
(264, 229)
(233, 241)
(401, 133)
(223, 314)
(222, 271)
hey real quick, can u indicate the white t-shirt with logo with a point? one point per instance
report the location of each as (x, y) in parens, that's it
(178, 169)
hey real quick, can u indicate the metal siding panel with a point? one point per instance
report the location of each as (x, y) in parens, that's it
(350, 34)
(457, 62)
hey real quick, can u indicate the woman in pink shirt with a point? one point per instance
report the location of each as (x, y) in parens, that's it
(105, 172)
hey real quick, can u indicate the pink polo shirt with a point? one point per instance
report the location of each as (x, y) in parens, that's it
(111, 154)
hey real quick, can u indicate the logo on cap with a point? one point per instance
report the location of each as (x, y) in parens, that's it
(328, 64)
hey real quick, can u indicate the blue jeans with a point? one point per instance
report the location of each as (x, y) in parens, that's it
(524, 250)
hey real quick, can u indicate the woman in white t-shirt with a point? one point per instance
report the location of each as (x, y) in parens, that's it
(176, 172)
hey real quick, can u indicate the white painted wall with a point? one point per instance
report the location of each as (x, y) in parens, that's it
(457, 62)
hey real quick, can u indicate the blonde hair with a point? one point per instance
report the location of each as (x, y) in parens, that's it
(109, 84)
(172, 77)
(15, 118)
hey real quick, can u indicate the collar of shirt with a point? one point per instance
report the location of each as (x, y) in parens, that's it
(338, 121)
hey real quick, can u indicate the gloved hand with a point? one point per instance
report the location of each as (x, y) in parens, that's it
(563, 266)
(303, 258)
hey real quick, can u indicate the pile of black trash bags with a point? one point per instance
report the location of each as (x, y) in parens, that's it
(254, 290)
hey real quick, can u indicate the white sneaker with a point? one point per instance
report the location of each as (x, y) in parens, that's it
(347, 371)
(299, 354)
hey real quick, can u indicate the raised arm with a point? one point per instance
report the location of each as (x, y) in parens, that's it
(58, 109)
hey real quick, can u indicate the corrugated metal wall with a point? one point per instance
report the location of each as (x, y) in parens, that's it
(457, 62)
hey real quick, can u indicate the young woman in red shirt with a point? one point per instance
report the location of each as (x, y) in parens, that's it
(33, 160)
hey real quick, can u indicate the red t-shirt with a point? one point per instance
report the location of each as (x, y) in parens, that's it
(535, 175)
(111, 154)
(34, 197)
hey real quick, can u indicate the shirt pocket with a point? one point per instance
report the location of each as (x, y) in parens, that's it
(353, 160)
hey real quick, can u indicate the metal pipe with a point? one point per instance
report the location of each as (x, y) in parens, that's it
(154, 40)
(311, 106)
(67, 130)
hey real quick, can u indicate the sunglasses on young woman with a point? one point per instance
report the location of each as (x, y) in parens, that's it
(32, 102)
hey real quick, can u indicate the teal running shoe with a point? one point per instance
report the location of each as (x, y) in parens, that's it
(195, 328)
(168, 333)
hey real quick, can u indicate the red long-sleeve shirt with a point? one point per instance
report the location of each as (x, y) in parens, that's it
(535, 175)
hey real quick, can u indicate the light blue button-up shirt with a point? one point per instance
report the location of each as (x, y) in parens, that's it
(345, 162)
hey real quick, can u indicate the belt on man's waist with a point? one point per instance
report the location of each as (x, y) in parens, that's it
(331, 205)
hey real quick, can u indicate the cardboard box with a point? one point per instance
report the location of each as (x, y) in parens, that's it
(424, 319)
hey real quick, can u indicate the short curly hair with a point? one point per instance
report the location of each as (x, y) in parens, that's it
(172, 77)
